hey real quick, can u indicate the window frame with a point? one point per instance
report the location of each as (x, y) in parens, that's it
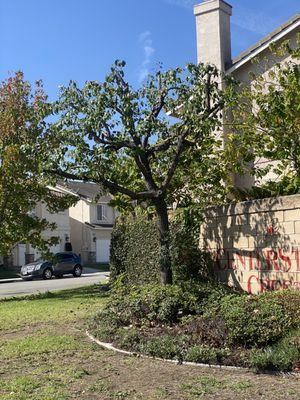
(103, 212)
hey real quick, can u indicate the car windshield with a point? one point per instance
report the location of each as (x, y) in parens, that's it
(40, 259)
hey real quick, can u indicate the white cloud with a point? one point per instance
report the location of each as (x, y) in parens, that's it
(257, 22)
(146, 40)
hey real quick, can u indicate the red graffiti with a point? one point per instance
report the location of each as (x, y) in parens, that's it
(264, 261)
(265, 284)
(259, 260)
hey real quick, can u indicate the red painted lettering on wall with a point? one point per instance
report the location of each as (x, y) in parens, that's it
(270, 264)
(286, 259)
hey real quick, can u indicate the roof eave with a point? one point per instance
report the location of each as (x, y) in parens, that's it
(263, 47)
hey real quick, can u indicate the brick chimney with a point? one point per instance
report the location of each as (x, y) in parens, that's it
(213, 33)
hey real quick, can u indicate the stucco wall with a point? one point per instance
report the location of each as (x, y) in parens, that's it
(265, 63)
(255, 245)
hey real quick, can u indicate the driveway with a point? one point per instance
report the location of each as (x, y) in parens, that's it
(18, 287)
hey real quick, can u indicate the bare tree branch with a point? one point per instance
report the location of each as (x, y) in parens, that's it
(113, 187)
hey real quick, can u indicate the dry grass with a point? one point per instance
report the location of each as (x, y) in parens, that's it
(45, 355)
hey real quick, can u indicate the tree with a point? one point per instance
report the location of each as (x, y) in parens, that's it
(271, 129)
(22, 148)
(123, 140)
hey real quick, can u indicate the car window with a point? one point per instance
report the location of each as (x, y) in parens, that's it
(63, 257)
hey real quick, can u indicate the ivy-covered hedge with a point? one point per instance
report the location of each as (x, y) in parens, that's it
(135, 252)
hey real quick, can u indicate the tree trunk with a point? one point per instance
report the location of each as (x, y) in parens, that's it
(164, 238)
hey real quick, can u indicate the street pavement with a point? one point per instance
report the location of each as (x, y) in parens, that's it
(18, 287)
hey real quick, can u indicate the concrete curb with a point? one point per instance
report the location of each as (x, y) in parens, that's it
(10, 280)
(109, 346)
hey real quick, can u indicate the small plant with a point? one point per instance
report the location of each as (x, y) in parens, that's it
(254, 321)
(128, 338)
(206, 354)
(284, 356)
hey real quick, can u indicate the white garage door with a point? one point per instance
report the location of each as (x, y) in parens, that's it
(102, 250)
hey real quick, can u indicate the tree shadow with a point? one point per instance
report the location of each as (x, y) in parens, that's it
(86, 292)
(252, 245)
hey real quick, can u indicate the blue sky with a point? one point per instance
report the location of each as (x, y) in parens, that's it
(59, 40)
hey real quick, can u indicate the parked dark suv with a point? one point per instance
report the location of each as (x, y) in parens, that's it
(64, 263)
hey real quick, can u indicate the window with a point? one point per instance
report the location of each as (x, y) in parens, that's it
(101, 212)
(63, 257)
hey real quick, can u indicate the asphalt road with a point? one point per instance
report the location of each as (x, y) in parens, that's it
(19, 287)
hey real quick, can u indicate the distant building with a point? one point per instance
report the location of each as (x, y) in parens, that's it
(91, 222)
(84, 228)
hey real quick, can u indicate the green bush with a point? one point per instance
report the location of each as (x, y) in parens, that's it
(166, 346)
(204, 323)
(135, 253)
(258, 320)
(284, 356)
(206, 354)
(128, 338)
(156, 304)
(188, 261)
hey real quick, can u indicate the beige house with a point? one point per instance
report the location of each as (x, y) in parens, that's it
(214, 46)
(24, 253)
(86, 226)
(91, 222)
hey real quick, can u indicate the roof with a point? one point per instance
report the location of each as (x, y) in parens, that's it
(252, 51)
(85, 190)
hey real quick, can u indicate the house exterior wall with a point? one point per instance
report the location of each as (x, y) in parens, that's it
(255, 245)
(24, 252)
(110, 213)
(83, 233)
(214, 47)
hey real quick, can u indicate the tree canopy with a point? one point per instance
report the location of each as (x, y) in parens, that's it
(22, 151)
(145, 144)
(270, 131)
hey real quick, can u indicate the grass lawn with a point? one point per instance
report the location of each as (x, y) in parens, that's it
(45, 355)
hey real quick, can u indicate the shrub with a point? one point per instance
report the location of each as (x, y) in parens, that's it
(205, 331)
(166, 346)
(128, 338)
(257, 320)
(289, 300)
(155, 304)
(117, 251)
(135, 253)
(284, 356)
(188, 261)
(206, 354)
(204, 323)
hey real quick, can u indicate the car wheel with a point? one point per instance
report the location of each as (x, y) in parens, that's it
(77, 271)
(47, 274)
